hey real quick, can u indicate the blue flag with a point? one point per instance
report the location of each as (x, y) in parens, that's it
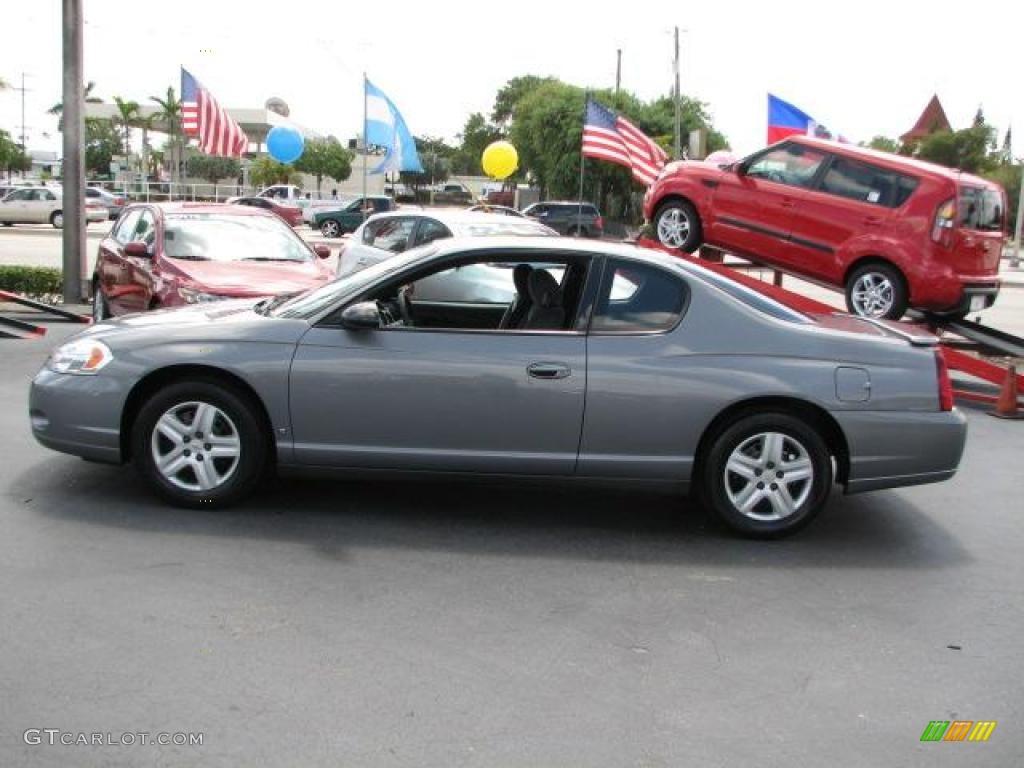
(385, 127)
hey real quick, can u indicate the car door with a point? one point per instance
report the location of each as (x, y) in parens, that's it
(448, 399)
(111, 264)
(852, 200)
(754, 206)
(42, 206)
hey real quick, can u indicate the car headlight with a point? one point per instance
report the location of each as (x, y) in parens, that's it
(196, 297)
(82, 357)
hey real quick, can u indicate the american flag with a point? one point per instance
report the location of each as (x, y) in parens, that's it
(608, 136)
(203, 117)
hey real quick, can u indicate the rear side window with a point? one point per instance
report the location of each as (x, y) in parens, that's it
(859, 181)
(638, 298)
(981, 209)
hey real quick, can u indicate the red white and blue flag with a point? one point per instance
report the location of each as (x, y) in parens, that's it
(203, 117)
(611, 137)
(785, 120)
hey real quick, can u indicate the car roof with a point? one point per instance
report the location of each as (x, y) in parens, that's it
(454, 217)
(231, 210)
(895, 162)
(564, 202)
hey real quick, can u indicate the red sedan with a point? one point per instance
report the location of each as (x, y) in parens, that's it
(292, 214)
(169, 255)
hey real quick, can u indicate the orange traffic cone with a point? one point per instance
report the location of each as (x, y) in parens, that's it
(1006, 405)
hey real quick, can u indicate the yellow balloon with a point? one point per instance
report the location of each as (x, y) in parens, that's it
(500, 160)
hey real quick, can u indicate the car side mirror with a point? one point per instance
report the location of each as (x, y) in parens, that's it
(361, 317)
(137, 248)
(323, 251)
(739, 169)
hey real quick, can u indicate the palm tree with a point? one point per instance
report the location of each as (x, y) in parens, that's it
(58, 108)
(170, 113)
(128, 112)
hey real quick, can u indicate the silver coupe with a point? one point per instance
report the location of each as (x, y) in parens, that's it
(576, 359)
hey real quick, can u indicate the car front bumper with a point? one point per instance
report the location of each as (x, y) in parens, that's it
(80, 415)
(893, 449)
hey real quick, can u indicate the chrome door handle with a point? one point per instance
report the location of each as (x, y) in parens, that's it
(549, 370)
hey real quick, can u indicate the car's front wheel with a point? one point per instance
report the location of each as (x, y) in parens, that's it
(877, 290)
(330, 228)
(767, 475)
(57, 219)
(678, 226)
(200, 444)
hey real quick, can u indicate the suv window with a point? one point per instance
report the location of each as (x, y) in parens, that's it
(792, 164)
(867, 183)
(126, 226)
(981, 209)
(638, 298)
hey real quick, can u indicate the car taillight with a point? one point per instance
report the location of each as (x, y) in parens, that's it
(945, 385)
(599, 222)
(118, 201)
(945, 217)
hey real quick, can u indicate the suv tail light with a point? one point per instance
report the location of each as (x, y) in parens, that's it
(945, 217)
(599, 222)
(945, 385)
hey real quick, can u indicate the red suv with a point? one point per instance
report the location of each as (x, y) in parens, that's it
(891, 231)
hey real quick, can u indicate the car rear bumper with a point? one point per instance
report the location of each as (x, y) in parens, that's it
(892, 449)
(976, 296)
(80, 415)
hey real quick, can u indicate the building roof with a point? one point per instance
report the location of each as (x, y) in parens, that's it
(932, 120)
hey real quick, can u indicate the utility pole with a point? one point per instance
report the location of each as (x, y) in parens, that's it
(677, 139)
(618, 69)
(74, 282)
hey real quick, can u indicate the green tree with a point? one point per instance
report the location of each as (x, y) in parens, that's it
(212, 168)
(511, 94)
(12, 157)
(102, 142)
(325, 158)
(969, 149)
(58, 108)
(475, 136)
(883, 144)
(170, 114)
(266, 171)
(128, 115)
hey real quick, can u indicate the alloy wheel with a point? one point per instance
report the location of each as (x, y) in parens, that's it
(673, 227)
(769, 476)
(195, 446)
(330, 228)
(872, 295)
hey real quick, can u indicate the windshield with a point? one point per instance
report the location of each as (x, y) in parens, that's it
(981, 209)
(226, 237)
(315, 301)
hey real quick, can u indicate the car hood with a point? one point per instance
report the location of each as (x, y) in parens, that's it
(251, 278)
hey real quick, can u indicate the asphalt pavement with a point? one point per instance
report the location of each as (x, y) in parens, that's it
(380, 623)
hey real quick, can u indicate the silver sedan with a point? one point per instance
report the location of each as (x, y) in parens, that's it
(594, 361)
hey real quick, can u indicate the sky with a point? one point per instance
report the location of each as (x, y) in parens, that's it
(861, 69)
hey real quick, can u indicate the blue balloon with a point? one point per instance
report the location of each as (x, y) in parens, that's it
(284, 144)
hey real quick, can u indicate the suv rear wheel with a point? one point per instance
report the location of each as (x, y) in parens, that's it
(877, 290)
(678, 226)
(330, 228)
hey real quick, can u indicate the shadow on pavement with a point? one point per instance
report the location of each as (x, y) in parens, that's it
(334, 516)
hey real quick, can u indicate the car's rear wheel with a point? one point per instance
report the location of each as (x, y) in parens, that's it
(330, 228)
(199, 444)
(57, 219)
(877, 290)
(678, 226)
(767, 475)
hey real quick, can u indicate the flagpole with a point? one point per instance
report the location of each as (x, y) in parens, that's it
(583, 162)
(366, 147)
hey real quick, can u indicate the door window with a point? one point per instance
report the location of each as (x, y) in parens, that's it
(21, 194)
(638, 298)
(430, 230)
(125, 228)
(792, 164)
(389, 234)
(145, 230)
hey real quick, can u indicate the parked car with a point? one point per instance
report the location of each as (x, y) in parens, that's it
(385, 234)
(568, 218)
(891, 231)
(291, 214)
(41, 205)
(688, 379)
(502, 209)
(174, 254)
(347, 215)
(114, 203)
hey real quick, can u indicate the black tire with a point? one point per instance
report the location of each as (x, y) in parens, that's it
(890, 301)
(252, 458)
(100, 310)
(330, 228)
(572, 231)
(723, 490)
(57, 219)
(685, 233)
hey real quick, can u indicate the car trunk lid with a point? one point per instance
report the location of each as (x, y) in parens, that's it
(912, 334)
